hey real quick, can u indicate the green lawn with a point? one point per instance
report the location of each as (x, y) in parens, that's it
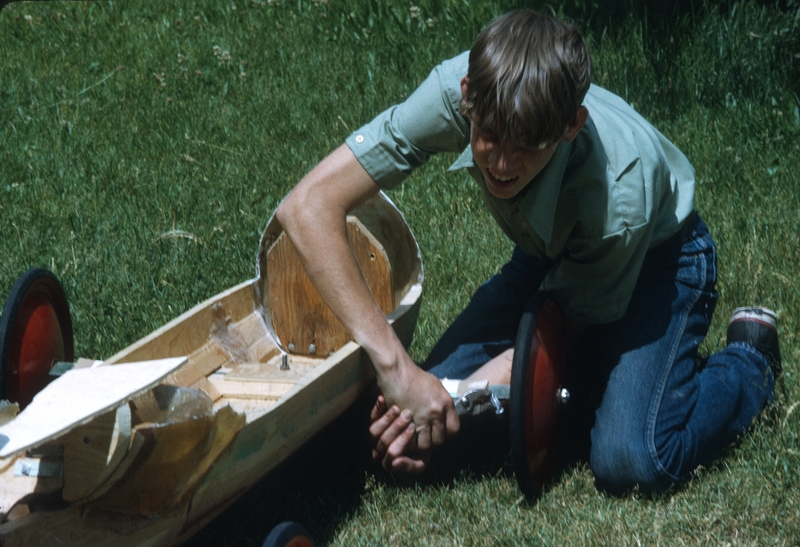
(144, 145)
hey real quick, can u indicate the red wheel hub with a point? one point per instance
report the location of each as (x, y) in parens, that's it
(35, 332)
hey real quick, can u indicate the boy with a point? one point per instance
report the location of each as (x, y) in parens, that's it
(600, 206)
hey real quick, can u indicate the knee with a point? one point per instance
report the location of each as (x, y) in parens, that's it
(621, 461)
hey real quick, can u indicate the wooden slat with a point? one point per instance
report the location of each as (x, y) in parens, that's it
(250, 333)
(299, 366)
(264, 349)
(189, 332)
(201, 363)
(252, 328)
(207, 387)
(248, 389)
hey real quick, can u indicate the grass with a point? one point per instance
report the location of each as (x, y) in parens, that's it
(144, 145)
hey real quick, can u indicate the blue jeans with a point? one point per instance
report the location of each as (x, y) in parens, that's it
(660, 410)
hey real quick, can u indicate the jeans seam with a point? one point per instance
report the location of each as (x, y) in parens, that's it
(656, 406)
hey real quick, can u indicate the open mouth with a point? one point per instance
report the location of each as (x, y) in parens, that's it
(501, 180)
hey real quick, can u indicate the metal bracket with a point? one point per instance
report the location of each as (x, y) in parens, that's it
(34, 467)
(477, 401)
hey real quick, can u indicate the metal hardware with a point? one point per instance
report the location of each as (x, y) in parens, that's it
(34, 467)
(285, 361)
(562, 396)
(477, 401)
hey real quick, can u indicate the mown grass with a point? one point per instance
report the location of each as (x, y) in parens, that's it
(144, 145)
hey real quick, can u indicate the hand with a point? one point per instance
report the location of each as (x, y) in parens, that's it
(431, 406)
(394, 440)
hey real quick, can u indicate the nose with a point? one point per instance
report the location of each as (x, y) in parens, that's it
(504, 158)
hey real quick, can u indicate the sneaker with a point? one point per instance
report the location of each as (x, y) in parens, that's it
(759, 328)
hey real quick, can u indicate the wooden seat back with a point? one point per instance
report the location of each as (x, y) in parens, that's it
(304, 324)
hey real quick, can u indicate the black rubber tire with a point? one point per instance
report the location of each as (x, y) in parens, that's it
(11, 311)
(517, 420)
(535, 417)
(289, 534)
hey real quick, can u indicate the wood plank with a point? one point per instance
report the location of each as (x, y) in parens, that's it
(253, 328)
(264, 349)
(300, 317)
(247, 389)
(189, 332)
(93, 451)
(201, 363)
(252, 334)
(271, 371)
(168, 453)
(206, 387)
(374, 263)
(76, 397)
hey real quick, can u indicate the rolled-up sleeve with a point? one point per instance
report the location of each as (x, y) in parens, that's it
(403, 137)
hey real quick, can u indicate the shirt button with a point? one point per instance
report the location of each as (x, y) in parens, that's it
(359, 139)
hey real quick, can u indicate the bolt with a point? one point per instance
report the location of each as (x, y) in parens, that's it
(284, 362)
(312, 349)
(465, 402)
(291, 346)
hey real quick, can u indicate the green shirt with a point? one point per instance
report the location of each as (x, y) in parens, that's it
(604, 199)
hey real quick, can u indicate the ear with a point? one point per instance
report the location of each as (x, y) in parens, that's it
(464, 82)
(576, 125)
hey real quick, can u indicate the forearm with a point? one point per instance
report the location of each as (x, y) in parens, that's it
(314, 217)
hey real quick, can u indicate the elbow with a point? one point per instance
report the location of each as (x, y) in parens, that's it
(283, 213)
(290, 210)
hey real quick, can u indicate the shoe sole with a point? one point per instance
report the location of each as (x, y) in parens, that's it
(763, 316)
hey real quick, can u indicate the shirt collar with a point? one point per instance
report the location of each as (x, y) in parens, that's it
(465, 160)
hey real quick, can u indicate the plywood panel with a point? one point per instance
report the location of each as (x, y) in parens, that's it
(76, 397)
(299, 316)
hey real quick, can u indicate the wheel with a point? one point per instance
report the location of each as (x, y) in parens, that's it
(288, 534)
(35, 332)
(537, 394)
